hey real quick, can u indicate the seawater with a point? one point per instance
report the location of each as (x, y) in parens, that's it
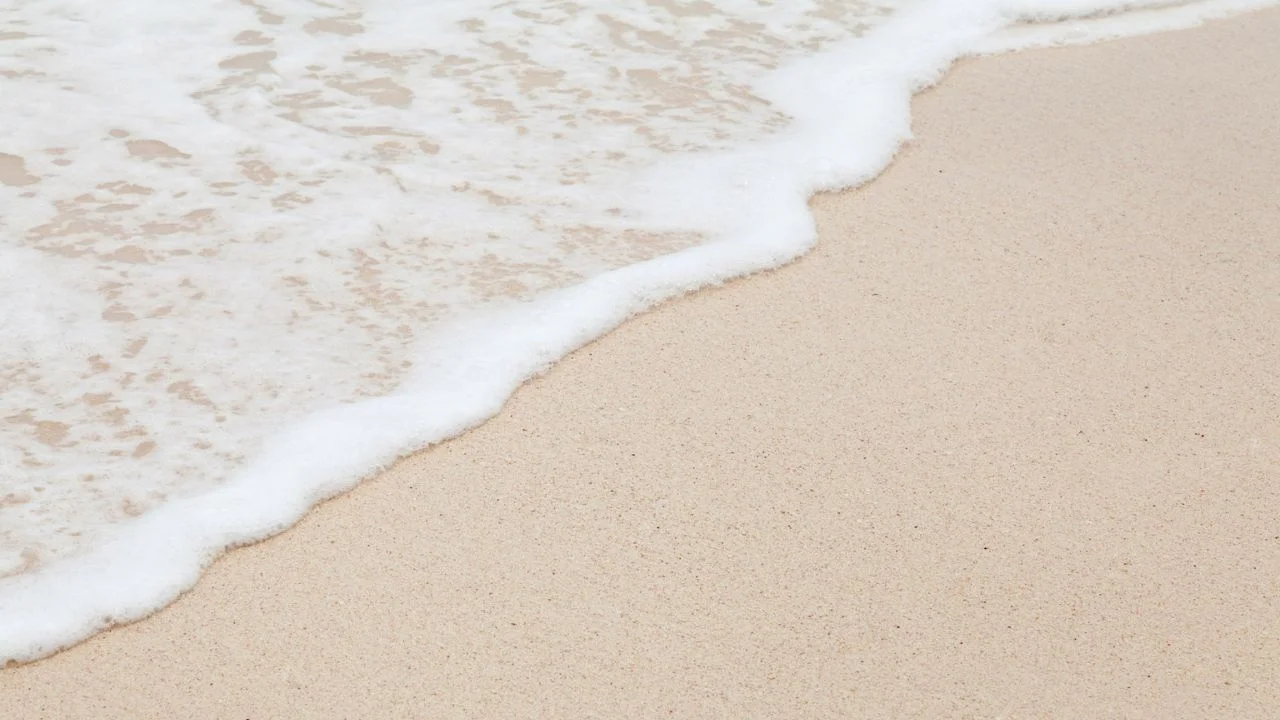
(253, 251)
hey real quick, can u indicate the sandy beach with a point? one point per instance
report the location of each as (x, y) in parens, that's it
(1005, 445)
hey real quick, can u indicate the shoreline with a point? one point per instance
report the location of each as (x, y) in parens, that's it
(544, 510)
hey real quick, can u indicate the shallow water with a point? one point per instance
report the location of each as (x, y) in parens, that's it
(221, 216)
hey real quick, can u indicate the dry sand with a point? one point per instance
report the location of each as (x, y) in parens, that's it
(1006, 445)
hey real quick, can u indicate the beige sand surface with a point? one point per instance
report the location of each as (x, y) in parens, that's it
(1006, 445)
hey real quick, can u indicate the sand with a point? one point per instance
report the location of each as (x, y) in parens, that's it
(1004, 445)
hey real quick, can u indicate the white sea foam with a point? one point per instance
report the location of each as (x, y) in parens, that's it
(251, 252)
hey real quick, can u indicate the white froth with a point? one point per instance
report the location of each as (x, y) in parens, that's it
(354, 231)
(247, 213)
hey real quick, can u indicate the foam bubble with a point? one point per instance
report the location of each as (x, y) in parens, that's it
(354, 230)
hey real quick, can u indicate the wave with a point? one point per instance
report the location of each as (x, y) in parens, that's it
(368, 224)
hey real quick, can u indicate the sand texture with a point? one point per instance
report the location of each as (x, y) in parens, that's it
(1007, 444)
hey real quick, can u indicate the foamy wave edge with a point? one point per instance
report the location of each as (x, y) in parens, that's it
(851, 112)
